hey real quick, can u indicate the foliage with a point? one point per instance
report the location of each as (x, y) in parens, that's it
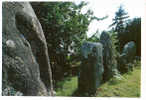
(114, 40)
(119, 23)
(119, 20)
(65, 29)
(127, 30)
(93, 38)
(132, 32)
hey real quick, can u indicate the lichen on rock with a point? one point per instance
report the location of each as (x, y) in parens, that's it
(21, 66)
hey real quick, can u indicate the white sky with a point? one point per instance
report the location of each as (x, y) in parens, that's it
(102, 8)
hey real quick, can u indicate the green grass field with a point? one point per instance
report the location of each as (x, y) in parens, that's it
(67, 87)
(129, 86)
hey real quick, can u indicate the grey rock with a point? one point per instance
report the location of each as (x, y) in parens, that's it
(109, 57)
(91, 69)
(127, 56)
(10, 44)
(129, 50)
(26, 65)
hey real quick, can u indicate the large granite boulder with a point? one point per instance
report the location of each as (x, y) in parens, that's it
(25, 62)
(127, 56)
(91, 69)
(109, 57)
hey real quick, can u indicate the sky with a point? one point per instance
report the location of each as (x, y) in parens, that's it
(101, 8)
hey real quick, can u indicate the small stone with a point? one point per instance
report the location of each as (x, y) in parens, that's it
(10, 44)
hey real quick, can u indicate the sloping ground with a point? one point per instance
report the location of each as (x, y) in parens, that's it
(129, 86)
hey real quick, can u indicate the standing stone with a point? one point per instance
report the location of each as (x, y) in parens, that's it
(91, 70)
(109, 58)
(25, 63)
(127, 56)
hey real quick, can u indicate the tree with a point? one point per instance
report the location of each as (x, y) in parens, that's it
(132, 32)
(94, 37)
(65, 29)
(119, 23)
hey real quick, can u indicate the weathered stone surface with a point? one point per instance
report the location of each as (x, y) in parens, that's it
(129, 51)
(127, 56)
(91, 69)
(109, 58)
(25, 58)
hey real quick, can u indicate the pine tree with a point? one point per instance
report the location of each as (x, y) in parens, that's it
(119, 23)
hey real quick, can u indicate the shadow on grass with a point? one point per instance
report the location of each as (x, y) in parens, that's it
(78, 93)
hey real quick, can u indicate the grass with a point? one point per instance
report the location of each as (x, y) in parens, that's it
(67, 87)
(128, 86)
